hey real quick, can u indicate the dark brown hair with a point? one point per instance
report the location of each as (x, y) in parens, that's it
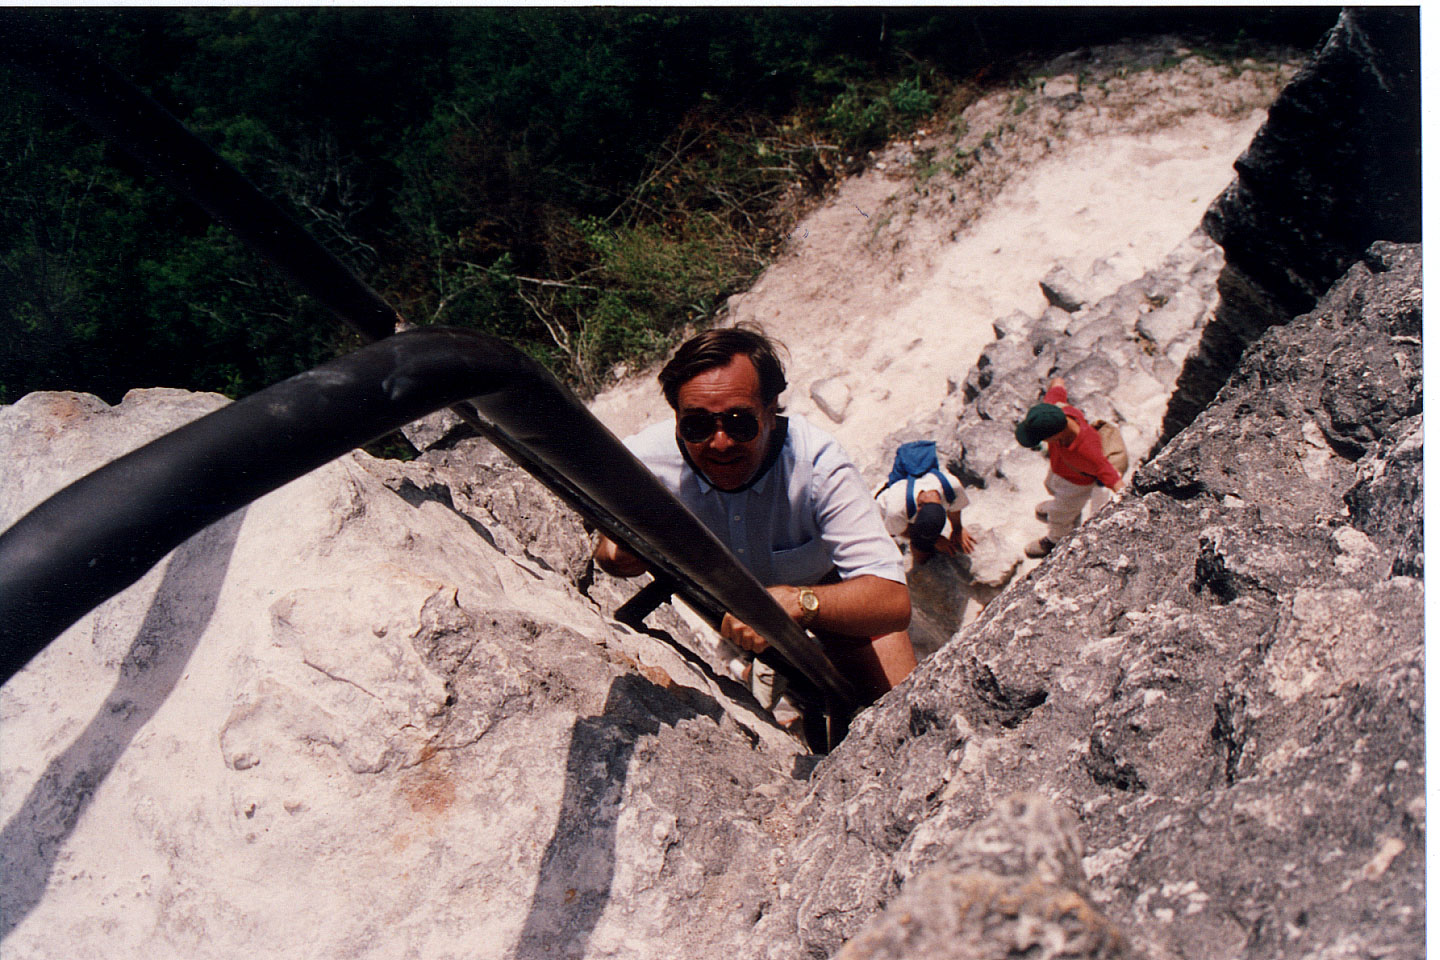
(714, 348)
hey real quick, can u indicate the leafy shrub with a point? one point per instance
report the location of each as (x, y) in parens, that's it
(862, 118)
(910, 100)
(858, 121)
(582, 182)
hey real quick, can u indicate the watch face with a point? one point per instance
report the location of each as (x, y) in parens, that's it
(808, 601)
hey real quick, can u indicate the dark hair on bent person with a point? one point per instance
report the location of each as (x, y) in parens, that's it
(714, 348)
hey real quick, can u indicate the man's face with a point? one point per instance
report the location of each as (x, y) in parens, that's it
(728, 463)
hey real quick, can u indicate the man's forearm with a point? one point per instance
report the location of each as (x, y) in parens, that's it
(866, 606)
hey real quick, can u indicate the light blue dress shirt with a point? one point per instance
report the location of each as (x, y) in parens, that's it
(809, 513)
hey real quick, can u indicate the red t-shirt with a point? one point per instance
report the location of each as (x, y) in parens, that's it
(1083, 461)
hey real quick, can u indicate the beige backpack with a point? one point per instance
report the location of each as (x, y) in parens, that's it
(1113, 444)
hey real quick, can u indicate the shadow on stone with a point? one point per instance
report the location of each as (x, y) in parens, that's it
(32, 840)
(578, 866)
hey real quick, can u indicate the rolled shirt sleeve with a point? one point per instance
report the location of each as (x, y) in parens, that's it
(849, 520)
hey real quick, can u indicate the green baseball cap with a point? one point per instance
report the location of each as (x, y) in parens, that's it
(1041, 422)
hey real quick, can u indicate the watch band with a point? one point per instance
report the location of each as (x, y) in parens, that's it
(809, 606)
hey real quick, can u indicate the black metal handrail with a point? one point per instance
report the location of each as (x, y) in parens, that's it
(52, 570)
(104, 531)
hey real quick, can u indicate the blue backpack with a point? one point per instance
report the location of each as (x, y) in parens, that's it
(915, 459)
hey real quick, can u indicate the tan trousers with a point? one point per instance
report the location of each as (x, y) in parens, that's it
(1062, 512)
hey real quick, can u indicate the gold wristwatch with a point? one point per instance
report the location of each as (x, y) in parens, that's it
(809, 606)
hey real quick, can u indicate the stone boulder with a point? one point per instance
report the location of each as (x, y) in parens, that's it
(985, 444)
(1335, 168)
(1024, 859)
(1176, 316)
(1007, 400)
(1221, 678)
(1000, 360)
(1095, 376)
(369, 714)
(1015, 324)
(832, 396)
(992, 562)
(1052, 320)
(1064, 290)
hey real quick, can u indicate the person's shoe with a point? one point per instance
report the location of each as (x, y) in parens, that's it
(766, 684)
(787, 714)
(1039, 548)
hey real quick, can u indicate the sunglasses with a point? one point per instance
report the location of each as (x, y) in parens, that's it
(742, 426)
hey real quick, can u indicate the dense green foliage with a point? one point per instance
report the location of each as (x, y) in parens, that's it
(581, 181)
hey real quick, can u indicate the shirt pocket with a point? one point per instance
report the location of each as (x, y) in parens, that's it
(801, 566)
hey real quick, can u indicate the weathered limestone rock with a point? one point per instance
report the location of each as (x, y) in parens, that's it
(1335, 168)
(993, 561)
(1137, 398)
(1104, 275)
(1178, 315)
(1221, 677)
(523, 519)
(1005, 402)
(1015, 324)
(1095, 376)
(832, 396)
(1008, 886)
(999, 360)
(1087, 335)
(1388, 499)
(502, 502)
(1344, 388)
(1110, 368)
(439, 429)
(354, 719)
(985, 443)
(1053, 320)
(1063, 289)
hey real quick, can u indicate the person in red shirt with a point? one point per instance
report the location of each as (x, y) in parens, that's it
(1077, 463)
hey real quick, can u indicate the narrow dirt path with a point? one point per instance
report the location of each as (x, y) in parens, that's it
(890, 287)
(897, 332)
(1104, 163)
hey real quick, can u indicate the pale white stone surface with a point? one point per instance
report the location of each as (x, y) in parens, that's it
(250, 753)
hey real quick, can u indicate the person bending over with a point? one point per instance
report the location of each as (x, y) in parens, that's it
(926, 510)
